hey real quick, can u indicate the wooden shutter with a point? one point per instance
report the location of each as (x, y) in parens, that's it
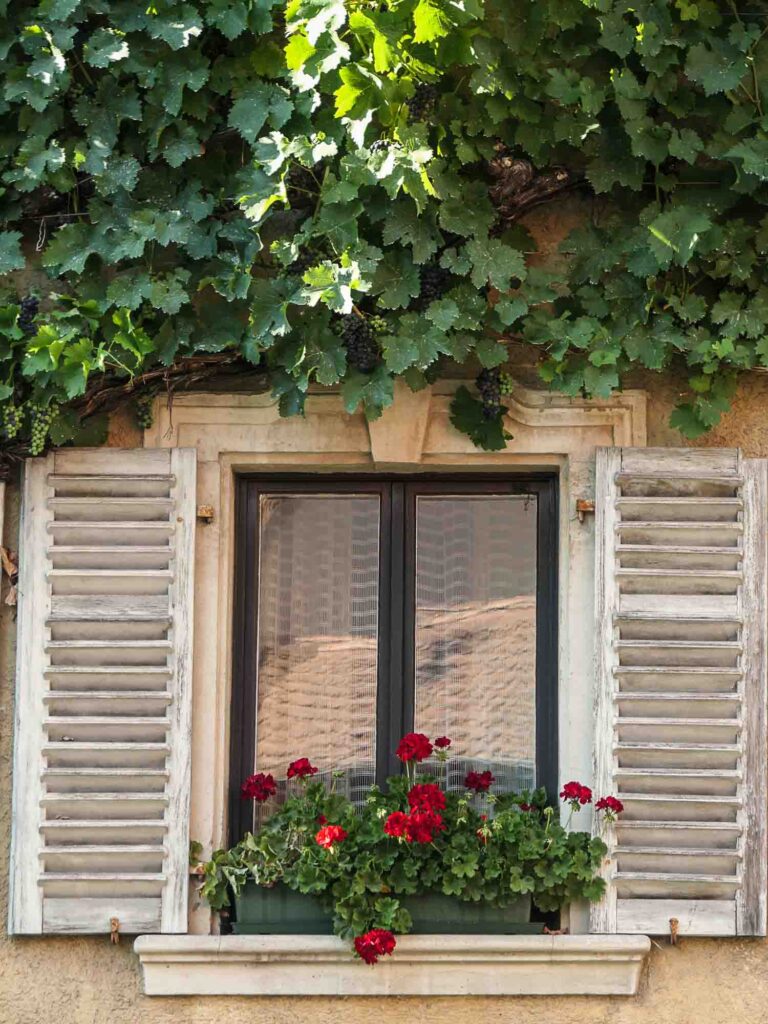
(681, 675)
(102, 743)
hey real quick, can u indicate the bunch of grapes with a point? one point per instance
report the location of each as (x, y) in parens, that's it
(42, 418)
(12, 420)
(306, 258)
(489, 386)
(360, 342)
(143, 409)
(27, 312)
(506, 384)
(423, 102)
(435, 281)
(378, 324)
(302, 186)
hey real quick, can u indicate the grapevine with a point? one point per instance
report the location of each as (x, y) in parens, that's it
(240, 181)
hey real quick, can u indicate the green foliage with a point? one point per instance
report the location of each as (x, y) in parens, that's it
(171, 166)
(468, 416)
(515, 851)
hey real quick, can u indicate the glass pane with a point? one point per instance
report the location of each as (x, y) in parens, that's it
(318, 612)
(476, 633)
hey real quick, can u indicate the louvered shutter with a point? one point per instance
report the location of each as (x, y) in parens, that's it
(102, 751)
(681, 675)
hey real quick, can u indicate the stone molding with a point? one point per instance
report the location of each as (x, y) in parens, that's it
(415, 430)
(422, 965)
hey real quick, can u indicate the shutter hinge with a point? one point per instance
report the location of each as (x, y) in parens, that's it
(114, 930)
(674, 926)
(205, 514)
(584, 507)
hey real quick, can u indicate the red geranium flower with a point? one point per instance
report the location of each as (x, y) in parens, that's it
(321, 819)
(442, 742)
(576, 794)
(611, 805)
(481, 782)
(329, 835)
(376, 943)
(526, 807)
(426, 796)
(301, 768)
(396, 824)
(414, 746)
(422, 825)
(259, 787)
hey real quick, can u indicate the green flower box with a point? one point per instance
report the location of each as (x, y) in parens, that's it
(435, 913)
(278, 910)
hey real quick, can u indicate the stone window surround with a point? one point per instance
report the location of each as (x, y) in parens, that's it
(236, 433)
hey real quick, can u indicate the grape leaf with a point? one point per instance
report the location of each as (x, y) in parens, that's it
(430, 21)
(404, 225)
(374, 391)
(104, 47)
(468, 417)
(396, 280)
(259, 101)
(494, 263)
(230, 17)
(418, 343)
(716, 66)
(675, 234)
(11, 256)
(753, 154)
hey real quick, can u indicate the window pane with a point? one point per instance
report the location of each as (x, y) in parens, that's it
(476, 632)
(318, 611)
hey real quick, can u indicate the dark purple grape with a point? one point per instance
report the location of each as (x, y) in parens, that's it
(423, 102)
(360, 342)
(306, 258)
(489, 386)
(435, 282)
(28, 308)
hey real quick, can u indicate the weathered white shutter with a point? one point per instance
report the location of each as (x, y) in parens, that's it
(102, 751)
(681, 703)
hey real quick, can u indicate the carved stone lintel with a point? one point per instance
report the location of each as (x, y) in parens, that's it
(397, 436)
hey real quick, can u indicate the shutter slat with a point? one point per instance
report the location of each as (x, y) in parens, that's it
(693, 916)
(681, 580)
(101, 777)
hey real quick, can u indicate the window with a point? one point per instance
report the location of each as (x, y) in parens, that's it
(369, 607)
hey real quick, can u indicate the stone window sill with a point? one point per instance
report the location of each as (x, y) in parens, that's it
(423, 965)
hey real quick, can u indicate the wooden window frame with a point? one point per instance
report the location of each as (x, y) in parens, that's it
(395, 681)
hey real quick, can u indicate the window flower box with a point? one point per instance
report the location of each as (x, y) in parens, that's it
(414, 857)
(279, 910)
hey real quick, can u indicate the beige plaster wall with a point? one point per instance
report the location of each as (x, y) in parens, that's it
(89, 981)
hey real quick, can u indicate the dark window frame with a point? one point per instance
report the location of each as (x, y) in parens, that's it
(395, 689)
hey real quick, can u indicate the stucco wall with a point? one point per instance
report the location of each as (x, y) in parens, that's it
(89, 981)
